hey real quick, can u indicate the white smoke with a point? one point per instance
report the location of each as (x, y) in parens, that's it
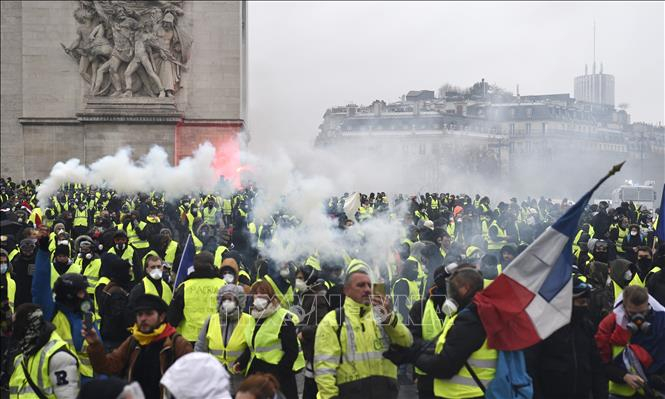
(152, 172)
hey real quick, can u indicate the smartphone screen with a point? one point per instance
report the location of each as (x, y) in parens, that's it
(379, 289)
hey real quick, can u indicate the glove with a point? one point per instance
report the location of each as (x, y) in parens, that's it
(400, 355)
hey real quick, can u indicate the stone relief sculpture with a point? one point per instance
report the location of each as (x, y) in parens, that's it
(130, 48)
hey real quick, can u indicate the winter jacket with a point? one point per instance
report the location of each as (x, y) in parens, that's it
(569, 355)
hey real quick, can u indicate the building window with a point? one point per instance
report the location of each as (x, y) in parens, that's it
(421, 149)
(544, 127)
(512, 129)
(529, 112)
(528, 128)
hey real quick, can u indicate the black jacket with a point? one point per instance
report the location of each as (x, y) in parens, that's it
(656, 285)
(466, 336)
(24, 268)
(567, 364)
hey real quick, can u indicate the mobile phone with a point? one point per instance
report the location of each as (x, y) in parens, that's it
(379, 289)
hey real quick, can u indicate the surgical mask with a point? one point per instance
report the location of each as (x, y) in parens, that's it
(633, 233)
(228, 277)
(284, 273)
(63, 242)
(229, 306)
(156, 274)
(260, 303)
(3, 268)
(449, 307)
(301, 285)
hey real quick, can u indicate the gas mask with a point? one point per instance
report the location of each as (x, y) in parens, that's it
(229, 306)
(301, 285)
(229, 278)
(638, 323)
(156, 274)
(260, 304)
(449, 307)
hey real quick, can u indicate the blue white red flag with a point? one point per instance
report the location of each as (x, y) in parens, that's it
(532, 298)
(186, 264)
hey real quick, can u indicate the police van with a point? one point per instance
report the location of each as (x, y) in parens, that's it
(641, 195)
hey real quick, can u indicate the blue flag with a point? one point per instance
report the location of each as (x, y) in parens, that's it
(186, 264)
(660, 229)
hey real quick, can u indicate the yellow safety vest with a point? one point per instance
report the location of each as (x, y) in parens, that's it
(127, 254)
(285, 298)
(226, 207)
(462, 385)
(621, 389)
(266, 344)
(80, 218)
(414, 291)
(219, 252)
(501, 238)
(431, 326)
(169, 256)
(133, 237)
(635, 281)
(37, 366)
(11, 291)
(91, 272)
(210, 216)
(150, 289)
(64, 330)
(622, 236)
(229, 353)
(200, 302)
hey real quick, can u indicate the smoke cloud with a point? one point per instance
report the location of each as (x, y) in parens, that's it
(151, 172)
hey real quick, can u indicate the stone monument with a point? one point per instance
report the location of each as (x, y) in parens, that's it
(80, 79)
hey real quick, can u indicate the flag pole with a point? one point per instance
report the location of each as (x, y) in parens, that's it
(616, 168)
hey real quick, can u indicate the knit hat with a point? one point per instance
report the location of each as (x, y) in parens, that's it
(61, 250)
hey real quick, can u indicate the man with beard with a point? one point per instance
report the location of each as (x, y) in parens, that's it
(144, 356)
(44, 366)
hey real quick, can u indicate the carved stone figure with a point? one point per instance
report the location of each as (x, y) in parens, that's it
(120, 40)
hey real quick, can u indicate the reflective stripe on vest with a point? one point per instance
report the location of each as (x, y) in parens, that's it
(150, 289)
(64, 330)
(285, 299)
(414, 291)
(462, 385)
(169, 256)
(219, 252)
(38, 368)
(229, 353)
(500, 235)
(200, 302)
(267, 345)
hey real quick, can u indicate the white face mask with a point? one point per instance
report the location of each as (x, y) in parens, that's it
(88, 256)
(3, 268)
(260, 303)
(301, 285)
(284, 273)
(228, 277)
(228, 306)
(63, 242)
(633, 233)
(156, 274)
(628, 275)
(449, 307)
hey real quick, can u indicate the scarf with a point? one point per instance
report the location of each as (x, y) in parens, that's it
(159, 333)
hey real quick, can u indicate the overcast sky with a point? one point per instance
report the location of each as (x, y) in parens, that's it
(305, 57)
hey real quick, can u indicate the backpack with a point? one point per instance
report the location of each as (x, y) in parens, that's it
(511, 380)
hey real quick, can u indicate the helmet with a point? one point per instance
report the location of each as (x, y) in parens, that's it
(68, 285)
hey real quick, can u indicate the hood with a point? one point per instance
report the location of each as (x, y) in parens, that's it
(618, 268)
(183, 378)
(236, 291)
(598, 272)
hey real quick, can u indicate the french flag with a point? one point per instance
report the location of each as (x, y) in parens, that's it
(186, 265)
(532, 298)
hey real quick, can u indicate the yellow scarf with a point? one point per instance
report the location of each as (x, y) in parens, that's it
(145, 339)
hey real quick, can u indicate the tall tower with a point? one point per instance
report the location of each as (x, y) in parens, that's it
(597, 88)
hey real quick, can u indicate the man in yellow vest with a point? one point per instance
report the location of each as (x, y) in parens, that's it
(223, 333)
(194, 299)
(350, 342)
(153, 283)
(7, 285)
(44, 367)
(462, 364)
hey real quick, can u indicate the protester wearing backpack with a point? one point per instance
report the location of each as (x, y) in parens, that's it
(112, 296)
(567, 364)
(146, 355)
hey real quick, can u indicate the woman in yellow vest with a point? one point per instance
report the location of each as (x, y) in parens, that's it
(273, 344)
(223, 333)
